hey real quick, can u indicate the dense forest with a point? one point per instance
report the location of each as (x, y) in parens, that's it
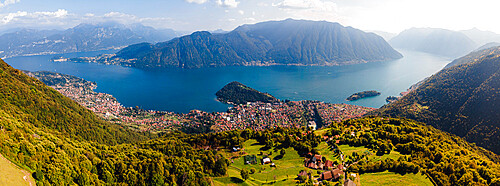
(237, 93)
(461, 99)
(446, 158)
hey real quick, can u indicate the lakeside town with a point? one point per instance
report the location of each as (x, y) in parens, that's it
(254, 115)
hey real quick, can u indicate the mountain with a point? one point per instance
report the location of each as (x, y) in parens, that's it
(481, 37)
(386, 35)
(435, 41)
(489, 49)
(237, 93)
(461, 99)
(488, 45)
(81, 38)
(60, 143)
(287, 42)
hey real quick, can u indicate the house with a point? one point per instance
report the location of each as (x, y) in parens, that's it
(318, 157)
(266, 160)
(312, 165)
(333, 174)
(273, 165)
(236, 149)
(321, 165)
(337, 173)
(349, 182)
(326, 175)
(341, 167)
(328, 165)
(302, 173)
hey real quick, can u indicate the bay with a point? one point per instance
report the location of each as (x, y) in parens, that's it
(181, 90)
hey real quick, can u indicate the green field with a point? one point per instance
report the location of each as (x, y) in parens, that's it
(291, 164)
(11, 174)
(286, 169)
(390, 178)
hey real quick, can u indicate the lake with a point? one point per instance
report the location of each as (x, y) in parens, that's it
(181, 90)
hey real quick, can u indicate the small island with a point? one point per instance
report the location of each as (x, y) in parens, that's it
(364, 94)
(236, 93)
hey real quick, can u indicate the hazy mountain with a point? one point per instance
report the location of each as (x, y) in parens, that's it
(462, 99)
(296, 42)
(488, 45)
(485, 50)
(435, 41)
(481, 37)
(386, 35)
(81, 38)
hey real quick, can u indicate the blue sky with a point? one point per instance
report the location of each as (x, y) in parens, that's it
(190, 15)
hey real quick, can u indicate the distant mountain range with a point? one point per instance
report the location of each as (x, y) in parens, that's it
(435, 41)
(463, 99)
(81, 38)
(444, 42)
(287, 42)
(481, 37)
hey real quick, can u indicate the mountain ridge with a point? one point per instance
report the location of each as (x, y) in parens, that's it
(81, 38)
(287, 42)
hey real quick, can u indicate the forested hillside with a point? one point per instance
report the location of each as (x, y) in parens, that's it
(287, 42)
(462, 99)
(31, 101)
(237, 93)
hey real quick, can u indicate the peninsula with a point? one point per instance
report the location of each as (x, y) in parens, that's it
(364, 94)
(236, 93)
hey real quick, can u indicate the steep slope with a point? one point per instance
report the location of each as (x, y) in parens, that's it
(81, 38)
(287, 42)
(462, 99)
(474, 56)
(435, 41)
(32, 101)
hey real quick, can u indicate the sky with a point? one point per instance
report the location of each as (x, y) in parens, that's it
(190, 15)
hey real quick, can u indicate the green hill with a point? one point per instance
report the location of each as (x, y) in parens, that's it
(33, 102)
(237, 93)
(462, 99)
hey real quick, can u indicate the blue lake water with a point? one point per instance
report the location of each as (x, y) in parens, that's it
(181, 90)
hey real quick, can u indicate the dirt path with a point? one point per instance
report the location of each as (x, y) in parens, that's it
(27, 175)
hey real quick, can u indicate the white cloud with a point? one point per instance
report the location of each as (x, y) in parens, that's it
(197, 1)
(228, 3)
(310, 9)
(62, 19)
(8, 2)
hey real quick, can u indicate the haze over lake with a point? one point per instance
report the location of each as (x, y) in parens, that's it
(181, 90)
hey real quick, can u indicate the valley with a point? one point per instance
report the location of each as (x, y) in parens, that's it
(236, 92)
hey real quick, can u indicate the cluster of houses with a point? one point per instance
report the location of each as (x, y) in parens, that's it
(317, 162)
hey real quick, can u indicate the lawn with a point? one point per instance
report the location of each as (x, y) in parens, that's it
(348, 150)
(286, 170)
(390, 178)
(11, 174)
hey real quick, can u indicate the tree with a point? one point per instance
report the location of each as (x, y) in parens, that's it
(282, 152)
(244, 174)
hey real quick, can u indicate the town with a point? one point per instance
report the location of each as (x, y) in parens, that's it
(253, 115)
